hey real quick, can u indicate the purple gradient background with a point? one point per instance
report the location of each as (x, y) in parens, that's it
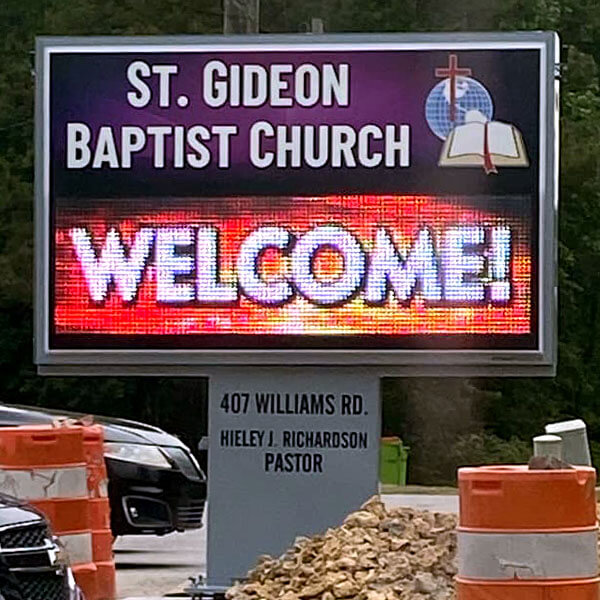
(385, 87)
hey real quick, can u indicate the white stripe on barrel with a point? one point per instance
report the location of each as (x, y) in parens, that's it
(500, 556)
(44, 484)
(78, 547)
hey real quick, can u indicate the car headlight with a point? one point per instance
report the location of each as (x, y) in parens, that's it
(195, 462)
(137, 453)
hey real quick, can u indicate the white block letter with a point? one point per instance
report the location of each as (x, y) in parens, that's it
(133, 140)
(112, 265)
(458, 265)
(336, 84)
(339, 290)
(164, 73)
(393, 145)
(208, 288)
(500, 264)
(365, 157)
(169, 264)
(263, 292)
(78, 149)
(255, 85)
(223, 132)
(106, 149)
(215, 92)
(278, 85)
(307, 80)
(259, 159)
(201, 155)
(291, 145)
(136, 69)
(343, 138)
(388, 268)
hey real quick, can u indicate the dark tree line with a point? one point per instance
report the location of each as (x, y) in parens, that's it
(446, 422)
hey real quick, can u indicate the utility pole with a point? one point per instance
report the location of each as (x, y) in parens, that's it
(241, 16)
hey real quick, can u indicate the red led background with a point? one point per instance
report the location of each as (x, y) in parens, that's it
(235, 218)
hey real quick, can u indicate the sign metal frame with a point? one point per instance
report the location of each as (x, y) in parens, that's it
(407, 362)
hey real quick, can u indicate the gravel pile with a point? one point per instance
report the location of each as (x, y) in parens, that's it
(377, 554)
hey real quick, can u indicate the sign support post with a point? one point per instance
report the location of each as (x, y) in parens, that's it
(292, 452)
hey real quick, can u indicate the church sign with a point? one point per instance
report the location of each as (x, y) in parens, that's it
(385, 201)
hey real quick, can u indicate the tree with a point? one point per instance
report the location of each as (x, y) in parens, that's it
(501, 408)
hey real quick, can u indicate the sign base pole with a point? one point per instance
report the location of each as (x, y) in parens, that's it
(292, 451)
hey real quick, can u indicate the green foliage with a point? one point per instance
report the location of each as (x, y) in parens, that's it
(166, 402)
(488, 449)
(437, 461)
(517, 409)
(446, 422)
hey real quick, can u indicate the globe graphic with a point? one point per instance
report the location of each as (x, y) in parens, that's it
(469, 95)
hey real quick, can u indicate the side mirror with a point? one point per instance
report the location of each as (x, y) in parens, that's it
(203, 444)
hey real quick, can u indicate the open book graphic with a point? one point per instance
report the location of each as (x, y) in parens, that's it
(483, 143)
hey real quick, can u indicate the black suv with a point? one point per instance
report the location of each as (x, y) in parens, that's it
(31, 567)
(155, 483)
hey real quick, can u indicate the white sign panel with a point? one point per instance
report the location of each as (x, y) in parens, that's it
(292, 452)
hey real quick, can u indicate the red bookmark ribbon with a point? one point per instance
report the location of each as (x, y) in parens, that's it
(488, 163)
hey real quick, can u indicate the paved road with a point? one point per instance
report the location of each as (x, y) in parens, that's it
(153, 566)
(424, 501)
(149, 566)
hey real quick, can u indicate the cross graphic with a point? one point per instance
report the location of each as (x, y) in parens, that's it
(452, 71)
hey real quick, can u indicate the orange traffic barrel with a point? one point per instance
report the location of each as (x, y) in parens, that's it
(87, 578)
(46, 466)
(93, 440)
(102, 537)
(527, 534)
(42, 445)
(99, 505)
(99, 510)
(107, 580)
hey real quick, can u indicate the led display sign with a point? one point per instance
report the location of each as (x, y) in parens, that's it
(341, 200)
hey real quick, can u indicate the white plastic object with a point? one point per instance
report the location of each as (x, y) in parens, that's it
(576, 449)
(548, 445)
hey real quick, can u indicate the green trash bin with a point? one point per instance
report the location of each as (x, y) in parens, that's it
(393, 458)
